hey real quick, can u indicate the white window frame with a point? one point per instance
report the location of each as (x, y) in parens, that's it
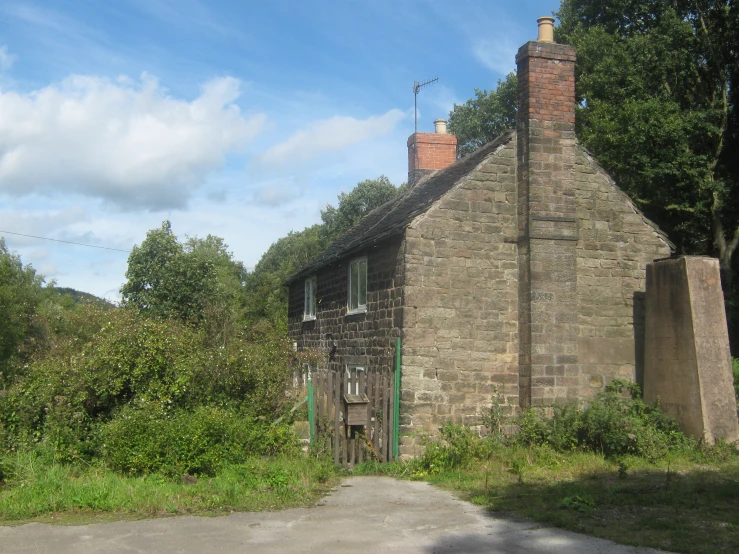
(357, 370)
(354, 288)
(309, 299)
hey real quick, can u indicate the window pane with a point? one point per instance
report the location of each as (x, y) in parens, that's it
(353, 280)
(363, 283)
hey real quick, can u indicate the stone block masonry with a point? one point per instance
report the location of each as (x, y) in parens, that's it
(460, 303)
(687, 358)
(365, 339)
(547, 225)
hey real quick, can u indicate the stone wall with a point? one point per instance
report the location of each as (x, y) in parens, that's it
(460, 307)
(363, 339)
(616, 242)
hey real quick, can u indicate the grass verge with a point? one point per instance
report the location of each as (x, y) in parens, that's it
(52, 492)
(686, 502)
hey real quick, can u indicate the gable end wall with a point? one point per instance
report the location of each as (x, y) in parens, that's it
(616, 244)
(460, 340)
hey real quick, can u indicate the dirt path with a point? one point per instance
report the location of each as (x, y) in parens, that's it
(365, 514)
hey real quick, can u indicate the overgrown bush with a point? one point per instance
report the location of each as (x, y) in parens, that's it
(62, 398)
(149, 439)
(614, 424)
(457, 444)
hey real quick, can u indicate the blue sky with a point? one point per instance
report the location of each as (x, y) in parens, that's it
(240, 119)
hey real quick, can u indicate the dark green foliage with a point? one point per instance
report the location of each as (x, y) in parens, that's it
(616, 423)
(133, 361)
(363, 198)
(149, 439)
(167, 278)
(613, 424)
(457, 445)
(485, 117)
(69, 297)
(266, 297)
(20, 293)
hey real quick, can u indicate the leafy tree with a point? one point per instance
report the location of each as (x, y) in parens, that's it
(485, 117)
(353, 206)
(266, 297)
(656, 83)
(165, 279)
(20, 294)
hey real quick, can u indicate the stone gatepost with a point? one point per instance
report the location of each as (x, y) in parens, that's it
(687, 362)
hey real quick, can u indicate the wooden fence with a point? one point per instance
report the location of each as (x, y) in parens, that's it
(354, 444)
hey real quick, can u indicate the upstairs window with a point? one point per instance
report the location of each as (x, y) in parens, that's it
(358, 286)
(310, 299)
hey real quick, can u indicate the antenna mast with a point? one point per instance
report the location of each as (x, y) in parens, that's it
(416, 89)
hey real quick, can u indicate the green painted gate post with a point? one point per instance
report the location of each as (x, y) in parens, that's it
(396, 402)
(311, 412)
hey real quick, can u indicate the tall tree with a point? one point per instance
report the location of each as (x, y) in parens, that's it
(266, 298)
(485, 117)
(656, 85)
(20, 293)
(353, 206)
(166, 280)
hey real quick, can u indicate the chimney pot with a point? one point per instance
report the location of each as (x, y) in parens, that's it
(440, 126)
(546, 29)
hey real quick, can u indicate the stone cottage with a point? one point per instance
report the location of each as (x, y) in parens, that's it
(517, 270)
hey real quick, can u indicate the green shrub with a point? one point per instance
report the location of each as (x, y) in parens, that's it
(151, 440)
(735, 371)
(615, 423)
(457, 445)
(62, 399)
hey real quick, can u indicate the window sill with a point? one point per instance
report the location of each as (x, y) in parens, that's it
(361, 310)
(307, 319)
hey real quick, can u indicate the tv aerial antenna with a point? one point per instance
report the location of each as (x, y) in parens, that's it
(416, 89)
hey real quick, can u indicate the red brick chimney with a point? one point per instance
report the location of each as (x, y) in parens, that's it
(549, 367)
(429, 152)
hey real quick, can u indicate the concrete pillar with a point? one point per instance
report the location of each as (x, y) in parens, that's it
(687, 362)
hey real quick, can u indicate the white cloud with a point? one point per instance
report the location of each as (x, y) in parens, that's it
(127, 142)
(498, 55)
(276, 194)
(329, 135)
(6, 59)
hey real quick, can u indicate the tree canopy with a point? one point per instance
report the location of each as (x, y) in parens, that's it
(266, 298)
(20, 294)
(657, 105)
(485, 117)
(169, 278)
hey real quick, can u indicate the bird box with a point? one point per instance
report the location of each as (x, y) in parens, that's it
(356, 409)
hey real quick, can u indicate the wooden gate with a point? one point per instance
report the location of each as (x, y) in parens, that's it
(350, 444)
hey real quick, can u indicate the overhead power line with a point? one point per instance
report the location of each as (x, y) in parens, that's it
(67, 242)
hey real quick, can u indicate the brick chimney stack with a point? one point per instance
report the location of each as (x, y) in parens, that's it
(547, 222)
(429, 152)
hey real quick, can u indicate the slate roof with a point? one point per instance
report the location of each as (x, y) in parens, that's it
(394, 216)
